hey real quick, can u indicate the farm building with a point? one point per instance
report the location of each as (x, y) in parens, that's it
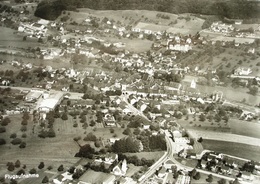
(33, 95)
(49, 102)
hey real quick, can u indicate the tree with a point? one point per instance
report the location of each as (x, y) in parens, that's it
(20, 172)
(60, 168)
(12, 181)
(64, 116)
(16, 141)
(222, 181)
(45, 179)
(85, 151)
(127, 131)
(10, 166)
(200, 140)
(90, 137)
(210, 178)
(97, 144)
(112, 130)
(2, 129)
(13, 135)
(71, 170)
(197, 176)
(32, 171)
(41, 165)
(51, 133)
(5, 121)
(2, 141)
(253, 90)
(235, 181)
(17, 163)
(22, 145)
(202, 117)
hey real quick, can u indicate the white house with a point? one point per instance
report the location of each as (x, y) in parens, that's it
(242, 71)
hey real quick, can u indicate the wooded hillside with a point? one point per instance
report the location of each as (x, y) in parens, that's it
(236, 9)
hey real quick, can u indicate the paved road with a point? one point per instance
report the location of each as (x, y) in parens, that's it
(169, 156)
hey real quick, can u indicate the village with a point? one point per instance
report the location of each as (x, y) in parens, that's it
(92, 84)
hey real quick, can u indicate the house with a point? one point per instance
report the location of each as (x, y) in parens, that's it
(120, 169)
(225, 170)
(180, 47)
(204, 164)
(33, 95)
(243, 71)
(109, 120)
(247, 175)
(111, 157)
(183, 179)
(162, 172)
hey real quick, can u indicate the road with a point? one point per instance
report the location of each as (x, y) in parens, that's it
(169, 156)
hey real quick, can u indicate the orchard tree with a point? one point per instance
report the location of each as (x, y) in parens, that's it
(60, 168)
(17, 163)
(45, 179)
(41, 165)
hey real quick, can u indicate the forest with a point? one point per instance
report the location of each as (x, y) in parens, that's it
(233, 9)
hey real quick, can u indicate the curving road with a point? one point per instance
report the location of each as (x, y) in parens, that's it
(169, 156)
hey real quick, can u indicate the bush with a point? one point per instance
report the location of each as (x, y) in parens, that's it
(50, 167)
(16, 141)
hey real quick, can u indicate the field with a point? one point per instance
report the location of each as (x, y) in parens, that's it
(251, 129)
(236, 149)
(241, 93)
(95, 177)
(10, 38)
(148, 155)
(190, 124)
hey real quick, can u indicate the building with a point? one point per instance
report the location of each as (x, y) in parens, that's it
(120, 169)
(183, 179)
(33, 95)
(242, 71)
(49, 102)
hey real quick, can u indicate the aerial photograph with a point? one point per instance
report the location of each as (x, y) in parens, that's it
(130, 91)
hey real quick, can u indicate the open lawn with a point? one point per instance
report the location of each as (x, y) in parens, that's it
(236, 149)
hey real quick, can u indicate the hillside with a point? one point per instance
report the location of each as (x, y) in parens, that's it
(235, 9)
